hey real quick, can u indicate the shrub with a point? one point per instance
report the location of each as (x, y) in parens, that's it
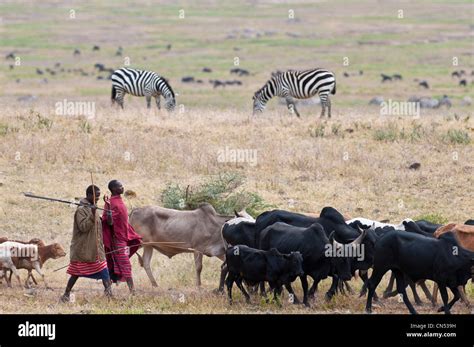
(389, 133)
(456, 136)
(221, 191)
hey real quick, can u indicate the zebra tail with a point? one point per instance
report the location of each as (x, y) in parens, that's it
(114, 93)
(333, 92)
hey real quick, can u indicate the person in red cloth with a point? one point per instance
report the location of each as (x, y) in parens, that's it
(87, 247)
(120, 239)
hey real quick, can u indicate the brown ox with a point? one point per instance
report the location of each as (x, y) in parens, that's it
(173, 232)
(465, 236)
(44, 253)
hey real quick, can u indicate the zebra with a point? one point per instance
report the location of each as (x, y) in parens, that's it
(299, 85)
(141, 83)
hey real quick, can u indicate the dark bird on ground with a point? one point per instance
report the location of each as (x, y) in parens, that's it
(385, 77)
(424, 84)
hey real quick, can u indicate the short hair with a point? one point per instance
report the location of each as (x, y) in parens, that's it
(113, 184)
(91, 189)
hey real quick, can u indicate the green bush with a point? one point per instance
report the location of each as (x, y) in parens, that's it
(388, 133)
(42, 122)
(221, 191)
(317, 131)
(85, 126)
(3, 129)
(392, 133)
(433, 218)
(456, 136)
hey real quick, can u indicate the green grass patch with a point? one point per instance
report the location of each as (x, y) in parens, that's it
(457, 136)
(433, 218)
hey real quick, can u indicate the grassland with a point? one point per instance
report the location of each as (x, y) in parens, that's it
(357, 161)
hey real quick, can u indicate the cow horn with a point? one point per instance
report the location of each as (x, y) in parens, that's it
(236, 213)
(360, 238)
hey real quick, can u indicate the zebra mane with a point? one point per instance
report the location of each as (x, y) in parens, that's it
(276, 73)
(168, 85)
(264, 86)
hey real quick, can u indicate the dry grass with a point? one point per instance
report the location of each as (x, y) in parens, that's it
(352, 171)
(357, 162)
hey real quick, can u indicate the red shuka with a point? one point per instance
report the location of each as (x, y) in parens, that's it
(117, 239)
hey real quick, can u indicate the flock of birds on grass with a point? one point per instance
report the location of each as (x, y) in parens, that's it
(293, 88)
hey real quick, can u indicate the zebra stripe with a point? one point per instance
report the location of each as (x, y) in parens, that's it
(141, 83)
(297, 85)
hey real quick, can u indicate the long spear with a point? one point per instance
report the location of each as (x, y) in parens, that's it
(168, 243)
(30, 195)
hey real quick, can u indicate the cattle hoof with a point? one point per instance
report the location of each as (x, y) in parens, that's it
(307, 304)
(329, 296)
(441, 309)
(218, 291)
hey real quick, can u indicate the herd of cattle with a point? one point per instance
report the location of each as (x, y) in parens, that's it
(280, 246)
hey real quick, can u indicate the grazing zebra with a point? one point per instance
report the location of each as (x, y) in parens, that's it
(141, 83)
(299, 85)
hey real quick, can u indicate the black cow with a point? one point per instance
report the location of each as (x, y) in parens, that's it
(418, 257)
(427, 226)
(313, 244)
(256, 266)
(330, 219)
(413, 227)
(241, 232)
